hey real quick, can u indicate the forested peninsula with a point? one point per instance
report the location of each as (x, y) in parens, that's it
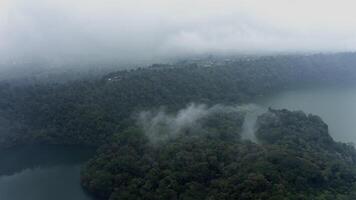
(175, 131)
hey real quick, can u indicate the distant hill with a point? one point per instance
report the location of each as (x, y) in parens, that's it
(89, 111)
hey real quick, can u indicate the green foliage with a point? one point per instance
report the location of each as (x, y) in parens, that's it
(200, 166)
(91, 111)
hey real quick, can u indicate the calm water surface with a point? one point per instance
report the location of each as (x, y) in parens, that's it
(336, 105)
(42, 173)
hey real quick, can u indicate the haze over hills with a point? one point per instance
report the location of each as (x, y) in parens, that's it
(64, 32)
(62, 112)
(174, 98)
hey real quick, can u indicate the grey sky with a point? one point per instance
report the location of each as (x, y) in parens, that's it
(132, 29)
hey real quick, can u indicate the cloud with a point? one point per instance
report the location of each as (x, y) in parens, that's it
(138, 29)
(161, 125)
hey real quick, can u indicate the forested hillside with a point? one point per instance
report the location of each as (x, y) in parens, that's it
(90, 111)
(295, 159)
(149, 148)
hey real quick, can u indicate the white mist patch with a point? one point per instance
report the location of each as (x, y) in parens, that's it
(161, 125)
(250, 123)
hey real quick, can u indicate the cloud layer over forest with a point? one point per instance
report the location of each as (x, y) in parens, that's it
(137, 29)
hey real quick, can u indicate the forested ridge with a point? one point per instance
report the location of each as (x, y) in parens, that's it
(295, 158)
(90, 111)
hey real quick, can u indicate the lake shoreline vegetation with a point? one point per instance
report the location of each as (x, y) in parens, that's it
(294, 156)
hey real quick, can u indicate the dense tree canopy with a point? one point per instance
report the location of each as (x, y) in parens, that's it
(296, 159)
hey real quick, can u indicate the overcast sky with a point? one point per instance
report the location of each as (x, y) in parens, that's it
(131, 29)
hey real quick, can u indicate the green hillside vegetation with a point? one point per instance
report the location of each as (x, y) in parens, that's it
(90, 111)
(295, 159)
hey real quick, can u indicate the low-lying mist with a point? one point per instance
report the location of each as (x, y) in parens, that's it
(161, 125)
(62, 31)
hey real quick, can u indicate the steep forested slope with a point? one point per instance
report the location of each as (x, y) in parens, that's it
(295, 159)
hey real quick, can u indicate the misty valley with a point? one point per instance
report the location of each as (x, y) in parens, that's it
(214, 128)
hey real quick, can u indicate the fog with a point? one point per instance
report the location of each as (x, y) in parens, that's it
(159, 125)
(121, 30)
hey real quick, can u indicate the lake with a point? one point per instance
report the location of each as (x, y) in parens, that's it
(335, 105)
(42, 173)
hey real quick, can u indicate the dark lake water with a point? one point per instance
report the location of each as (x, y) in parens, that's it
(42, 173)
(336, 106)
